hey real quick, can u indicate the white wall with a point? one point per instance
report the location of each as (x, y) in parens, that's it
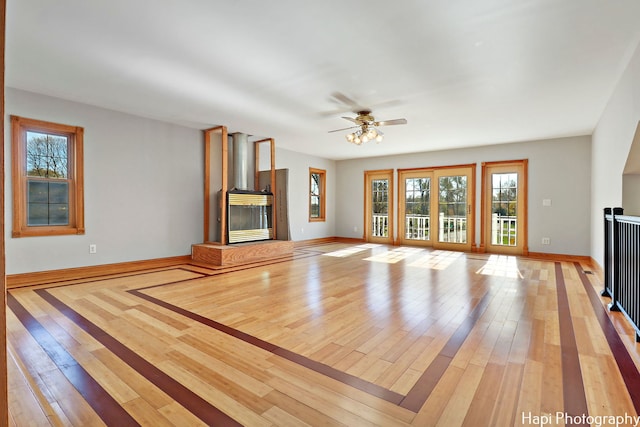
(143, 188)
(559, 169)
(611, 144)
(630, 194)
(298, 165)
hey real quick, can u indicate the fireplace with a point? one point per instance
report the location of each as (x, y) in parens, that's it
(249, 216)
(249, 210)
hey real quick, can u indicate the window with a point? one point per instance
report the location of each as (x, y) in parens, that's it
(317, 178)
(47, 177)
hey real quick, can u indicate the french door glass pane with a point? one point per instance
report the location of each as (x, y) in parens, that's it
(452, 209)
(504, 208)
(380, 208)
(417, 208)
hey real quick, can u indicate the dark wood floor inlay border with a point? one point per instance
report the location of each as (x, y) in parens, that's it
(326, 370)
(177, 391)
(107, 408)
(628, 369)
(575, 401)
(413, 401)
(429, 379)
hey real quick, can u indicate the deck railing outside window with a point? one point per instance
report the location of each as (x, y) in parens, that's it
(380, 226)
(453, 229)
(417, 227)
(504, 230)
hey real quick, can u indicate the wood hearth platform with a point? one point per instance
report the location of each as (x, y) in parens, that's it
(240, 253)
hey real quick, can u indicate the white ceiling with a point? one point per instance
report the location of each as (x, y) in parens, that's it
(462, 72)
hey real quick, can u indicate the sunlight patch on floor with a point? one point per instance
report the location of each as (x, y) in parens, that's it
(352, 250)
(502, 266)
(436, 260)
(394, 256)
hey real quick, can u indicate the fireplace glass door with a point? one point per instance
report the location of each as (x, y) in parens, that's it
(250, 217)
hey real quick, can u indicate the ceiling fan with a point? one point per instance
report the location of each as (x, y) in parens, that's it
(366, 125)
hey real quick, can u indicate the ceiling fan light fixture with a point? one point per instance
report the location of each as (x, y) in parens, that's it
(367, 128)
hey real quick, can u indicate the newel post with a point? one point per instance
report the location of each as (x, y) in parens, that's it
(615, 264)
(606, 291)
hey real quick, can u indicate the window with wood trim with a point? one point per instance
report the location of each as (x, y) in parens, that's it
(317, 194)
(504, 207)
(47, 177)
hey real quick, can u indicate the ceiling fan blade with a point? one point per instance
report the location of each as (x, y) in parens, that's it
(340, 130)
(344, 99)
(351, 119)
(391, 122)
(334, 113)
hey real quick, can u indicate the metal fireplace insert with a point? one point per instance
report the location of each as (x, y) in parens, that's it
(249, 216)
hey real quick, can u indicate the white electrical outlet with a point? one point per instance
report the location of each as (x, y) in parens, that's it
(93, 249)
(355, 228)
(546, 241)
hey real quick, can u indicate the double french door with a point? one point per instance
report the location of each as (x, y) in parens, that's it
(434, 207)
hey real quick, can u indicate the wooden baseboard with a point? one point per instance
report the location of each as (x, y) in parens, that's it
(325, 240)
(349, 240)
(311, 242)
(53, 276)
(560, 257)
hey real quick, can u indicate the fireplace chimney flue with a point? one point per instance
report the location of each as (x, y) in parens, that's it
(240, 161)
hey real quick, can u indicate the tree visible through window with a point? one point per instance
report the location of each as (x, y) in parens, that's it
(317, 194)
(48, 198)
(504, 206)
(47, 178)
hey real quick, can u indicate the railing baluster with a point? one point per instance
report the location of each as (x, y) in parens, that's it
(622, 264)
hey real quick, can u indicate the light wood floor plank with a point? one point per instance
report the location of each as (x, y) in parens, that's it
(456, 409)
(530, 393)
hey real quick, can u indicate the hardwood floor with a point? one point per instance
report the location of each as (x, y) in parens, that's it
(338, 334)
